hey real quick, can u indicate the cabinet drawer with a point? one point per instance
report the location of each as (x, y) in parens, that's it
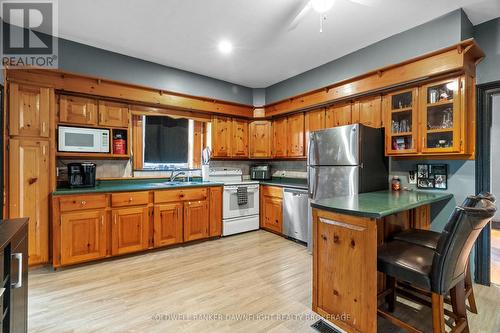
(272, 191)
(181, 195)
(129, 199)
(82, 202)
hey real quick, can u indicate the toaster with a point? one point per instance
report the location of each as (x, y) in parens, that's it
(260, 172)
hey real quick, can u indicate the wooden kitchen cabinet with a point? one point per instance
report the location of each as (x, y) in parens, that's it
(130, 229)
(196, 220)
(368, 111)
(338, 115)
(271, 203)
(29, 110)
(313, 121)
(215, 223)
(77, 110)
(239, 134)
(29, 192)
(280, 129)
(168, 224)
(113, 114)
(260, 139)
(295, 135)
(83, 236)
(221, 136)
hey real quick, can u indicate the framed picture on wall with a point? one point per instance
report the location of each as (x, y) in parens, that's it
(432, 176)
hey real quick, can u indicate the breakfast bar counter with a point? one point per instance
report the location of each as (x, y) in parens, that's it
(346, 234)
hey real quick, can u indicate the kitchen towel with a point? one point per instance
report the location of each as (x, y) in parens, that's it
(242, 194)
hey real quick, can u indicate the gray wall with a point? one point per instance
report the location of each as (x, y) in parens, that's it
(88, 60)
(487, 36)
(439, 33)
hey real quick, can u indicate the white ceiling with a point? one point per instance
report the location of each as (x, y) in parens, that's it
(184, 33)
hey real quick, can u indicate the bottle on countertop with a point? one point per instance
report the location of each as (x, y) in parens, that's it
(396, 183)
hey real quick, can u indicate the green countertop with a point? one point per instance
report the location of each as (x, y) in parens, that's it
(130, 185)
(379, 204)
(286, 182)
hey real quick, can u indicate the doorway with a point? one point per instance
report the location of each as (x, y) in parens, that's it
(495, 187)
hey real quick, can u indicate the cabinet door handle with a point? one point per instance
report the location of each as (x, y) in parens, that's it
(101, 116)
(43, 127)
(115, 219)
(83, 202)
(19, 257)
(102, 220)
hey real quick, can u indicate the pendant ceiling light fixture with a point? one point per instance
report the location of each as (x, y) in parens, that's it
(321, 7)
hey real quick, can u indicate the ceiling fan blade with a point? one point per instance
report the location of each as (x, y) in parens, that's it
(299, 16)
(368, 3)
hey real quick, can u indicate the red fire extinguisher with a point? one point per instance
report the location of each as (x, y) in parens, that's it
(119, 144)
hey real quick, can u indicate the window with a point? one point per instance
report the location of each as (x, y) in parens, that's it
(167, 142)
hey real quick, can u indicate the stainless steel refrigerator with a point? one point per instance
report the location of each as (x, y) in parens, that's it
(343, 161)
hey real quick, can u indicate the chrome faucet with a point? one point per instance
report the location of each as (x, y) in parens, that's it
(174, 175)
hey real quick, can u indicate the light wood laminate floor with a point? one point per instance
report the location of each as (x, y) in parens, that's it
(256, 273)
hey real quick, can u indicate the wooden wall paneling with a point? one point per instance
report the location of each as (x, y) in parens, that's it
(295, 135)
(197, 143)
(75, 83)
(260, 139)
(137, 143)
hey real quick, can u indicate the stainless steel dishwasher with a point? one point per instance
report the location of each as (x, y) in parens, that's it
(295, 204)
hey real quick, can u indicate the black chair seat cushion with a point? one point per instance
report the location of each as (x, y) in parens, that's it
(406, 262)
(427, 238)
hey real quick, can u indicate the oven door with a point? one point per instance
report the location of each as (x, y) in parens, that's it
(231, 209)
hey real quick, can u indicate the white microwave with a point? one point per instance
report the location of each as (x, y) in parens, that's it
(83, 140)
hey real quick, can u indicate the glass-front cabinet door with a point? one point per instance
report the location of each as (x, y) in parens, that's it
(401, 122)
(441, 116)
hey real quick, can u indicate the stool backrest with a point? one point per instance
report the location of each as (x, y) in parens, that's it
(458, 237)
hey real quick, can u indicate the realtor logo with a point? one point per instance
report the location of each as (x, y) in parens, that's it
(29, 33)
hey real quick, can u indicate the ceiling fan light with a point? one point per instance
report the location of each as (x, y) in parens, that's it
(322, 6)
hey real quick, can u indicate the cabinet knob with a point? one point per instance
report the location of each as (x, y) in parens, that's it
(83, 202)
(130, 199)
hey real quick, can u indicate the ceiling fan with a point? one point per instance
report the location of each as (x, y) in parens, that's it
(321, 7)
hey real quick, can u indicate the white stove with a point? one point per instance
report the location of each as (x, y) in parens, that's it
(240, 212)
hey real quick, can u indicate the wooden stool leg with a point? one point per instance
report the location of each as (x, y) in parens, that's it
(457, 295)
(391, 298)
(469, 290)
(438, 313)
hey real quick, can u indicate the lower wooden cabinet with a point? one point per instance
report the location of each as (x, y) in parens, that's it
(130, 230)
(168, 220)
(195, 220)
(83, 236)
(271, 208)
(93, 226)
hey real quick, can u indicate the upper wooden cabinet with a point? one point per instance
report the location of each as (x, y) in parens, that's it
(196, 220)
(280, 133)
(29, 113)
(83, 236)
(77, 110)
(113, 114)
(221, 136)
(313, 121)
(295, 135)
(401, 119)
(29, 192)
(368, 111)
(130, 229)
(260, 141)
(239, 134)
(168, 224)
(338, 115)
(435, 119)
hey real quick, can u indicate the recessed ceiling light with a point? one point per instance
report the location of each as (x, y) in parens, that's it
(225, 47)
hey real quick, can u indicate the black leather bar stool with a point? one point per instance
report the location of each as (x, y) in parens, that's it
(429, 239)
(438, 271)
